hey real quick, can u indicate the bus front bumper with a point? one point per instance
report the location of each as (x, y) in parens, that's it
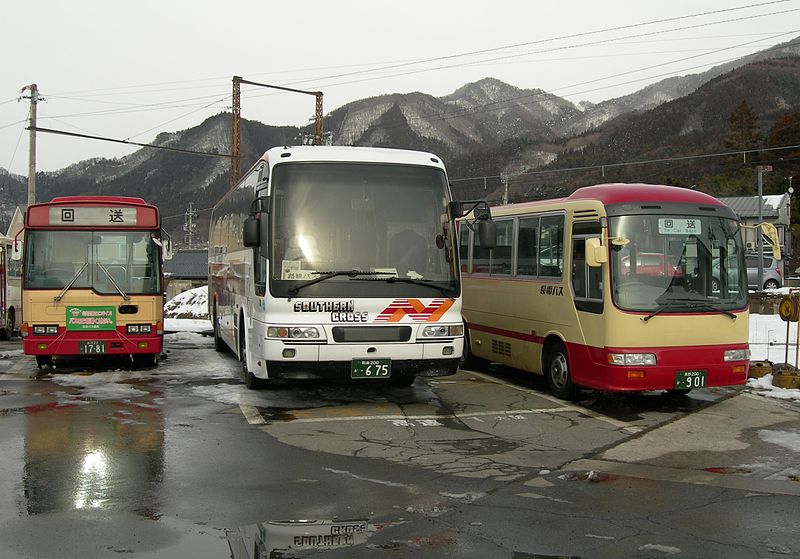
(590, 368)
(92, 344)
(297, 361)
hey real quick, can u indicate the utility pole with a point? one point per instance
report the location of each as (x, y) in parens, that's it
(34, 97)
(761, 170)
(189, 227)
(236, 111)
(236, 140)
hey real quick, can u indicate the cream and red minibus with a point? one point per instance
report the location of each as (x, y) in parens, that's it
(618, 287)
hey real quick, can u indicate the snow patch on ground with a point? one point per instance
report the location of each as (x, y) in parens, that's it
(763, 386)
(665, 549)
(102, 386)
(786, 439)
(186, 325)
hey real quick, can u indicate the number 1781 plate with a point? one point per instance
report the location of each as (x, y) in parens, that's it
(371, 368)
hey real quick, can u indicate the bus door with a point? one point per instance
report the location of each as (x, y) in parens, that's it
(587, 283)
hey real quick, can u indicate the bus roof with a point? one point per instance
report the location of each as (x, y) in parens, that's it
(348, 154)
(97, 200)
(100, 212)
(619, 193)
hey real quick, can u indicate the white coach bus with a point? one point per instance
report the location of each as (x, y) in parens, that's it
(339, 262)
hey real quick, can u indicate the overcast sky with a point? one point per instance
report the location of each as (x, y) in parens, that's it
(130, 70)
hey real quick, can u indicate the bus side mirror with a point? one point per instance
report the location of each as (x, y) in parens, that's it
(771, 232)
(454, 209)
(16, 250)
(596, 254)
(487, 232)
(250, 232)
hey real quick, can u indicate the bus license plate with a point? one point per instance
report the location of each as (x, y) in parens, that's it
(686, 380)
(371, 368)
(92, 348)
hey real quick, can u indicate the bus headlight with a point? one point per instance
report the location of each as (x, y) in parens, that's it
(293, 332)
(736, 355)
(443, 331)
(631, 359)
(45, 330)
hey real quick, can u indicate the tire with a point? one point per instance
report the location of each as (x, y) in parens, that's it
(219, 344)
(405, 380)
(250, 380)
(145, 360)
(468, 360)
(771, 284)
(43, 361)
(678, 392)
(559, 381)
(8, 331)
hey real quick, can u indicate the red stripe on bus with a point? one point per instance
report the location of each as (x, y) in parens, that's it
(506, 333)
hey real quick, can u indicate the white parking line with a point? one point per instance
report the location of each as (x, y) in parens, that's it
(254, 418)
(251, 415)
(627, 427)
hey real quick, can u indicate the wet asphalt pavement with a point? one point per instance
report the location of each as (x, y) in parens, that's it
(183, 461)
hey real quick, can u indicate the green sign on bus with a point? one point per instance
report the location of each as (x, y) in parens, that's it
(91, 318)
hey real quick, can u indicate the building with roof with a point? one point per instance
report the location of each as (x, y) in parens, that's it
(776, 210)
(186, 270)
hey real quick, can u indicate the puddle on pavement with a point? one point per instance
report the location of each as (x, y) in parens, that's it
(107, 455)
(278, 538)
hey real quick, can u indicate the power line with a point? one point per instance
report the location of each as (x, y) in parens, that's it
(637, 162)
(92, 137)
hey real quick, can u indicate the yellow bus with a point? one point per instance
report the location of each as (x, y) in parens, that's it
(92, 280)
(619, 287)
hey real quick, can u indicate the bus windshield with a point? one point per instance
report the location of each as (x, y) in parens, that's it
(685, 263)
(93, 259)
(379, 219)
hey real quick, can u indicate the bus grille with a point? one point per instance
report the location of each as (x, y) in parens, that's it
(371, 333)
(501, 348)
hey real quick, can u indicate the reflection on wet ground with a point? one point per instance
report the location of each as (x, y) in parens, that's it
(97, 444)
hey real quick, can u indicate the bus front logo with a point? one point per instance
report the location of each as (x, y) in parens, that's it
(415, 309)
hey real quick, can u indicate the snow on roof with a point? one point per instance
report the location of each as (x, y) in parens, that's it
(747, 206)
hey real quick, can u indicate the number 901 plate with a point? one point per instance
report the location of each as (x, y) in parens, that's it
(686, 380)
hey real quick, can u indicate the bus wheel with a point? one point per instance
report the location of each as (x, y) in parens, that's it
(8, 331)
(468, 360)
(250, 380)
(557, 373)
(219, 344)
(44, 361)
(678, 392)
(404, 380)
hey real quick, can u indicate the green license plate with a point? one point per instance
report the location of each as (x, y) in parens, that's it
(686, 380)
(371, 368)
(92, 348)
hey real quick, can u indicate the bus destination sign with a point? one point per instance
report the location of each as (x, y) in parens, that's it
(95, 215)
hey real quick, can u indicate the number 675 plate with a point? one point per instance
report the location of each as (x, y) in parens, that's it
(371, 368)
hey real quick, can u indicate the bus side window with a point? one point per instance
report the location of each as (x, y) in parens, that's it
(463, 247)
(527, 252)
(551, 246)
(501, 253)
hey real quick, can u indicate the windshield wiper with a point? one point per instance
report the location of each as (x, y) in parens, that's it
(328, 275)
(114, 283)
(687, 303)
(444, 291)
(58, 297)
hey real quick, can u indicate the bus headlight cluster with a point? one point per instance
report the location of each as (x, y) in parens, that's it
(443, 331)
(139, 328)
(737, 355)
(293, 332)
(631, 359)
(45, 330)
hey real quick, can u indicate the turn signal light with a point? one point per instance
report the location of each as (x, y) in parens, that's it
(636, 375)
(739, 369)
